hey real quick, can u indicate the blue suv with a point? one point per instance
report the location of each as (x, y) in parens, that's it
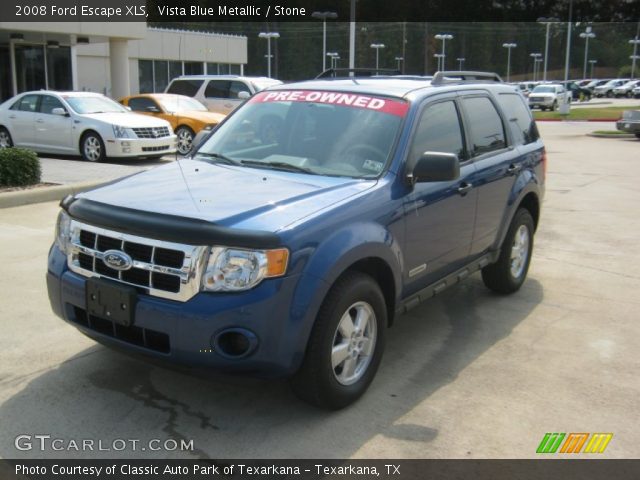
(304, 225)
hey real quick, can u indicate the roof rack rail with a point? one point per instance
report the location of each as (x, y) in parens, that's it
(455, 76)
(357, 72)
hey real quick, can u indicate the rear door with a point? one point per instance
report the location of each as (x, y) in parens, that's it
(20, 120)
(53, 132)
(439, 216)
(497, 161)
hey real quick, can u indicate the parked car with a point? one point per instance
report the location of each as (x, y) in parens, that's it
(626, 89)
(186, 115)
(636, 92)
(606, 90)
(630, 122)
(577, 92)
(291, 255)
(220, 93)
(596, 83)
(547, 96)
(84, 123)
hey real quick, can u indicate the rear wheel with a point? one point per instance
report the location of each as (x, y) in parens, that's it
(508, 274)
(5, 138)
(92, 147)
(185, 139)
(346, 344)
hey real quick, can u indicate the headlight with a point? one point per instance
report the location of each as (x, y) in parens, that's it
(122, 132)
(63, 231)
(232, 269)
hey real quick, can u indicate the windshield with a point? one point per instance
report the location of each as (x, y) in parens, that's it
(95, 104)
(321, 133)
(544, 89)
(181, 104)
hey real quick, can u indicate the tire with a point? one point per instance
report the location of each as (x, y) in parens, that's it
(629, 95)
(185, 139)
(543, 109)
(320, 383)
(92, 148)
(5, 138)
(554, 106)
(609, 94)
(637, 136)
(510, 271)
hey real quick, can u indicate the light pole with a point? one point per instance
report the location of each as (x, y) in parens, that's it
(535, 57)
(634, 57)
(334, 58)
(592, 62)
(587, 34)
(444, 37)
(547, 22)
(460, 62)
(352, 36)
(439, 56)
(269, 36)
(399, 60)
(377, 47)
(323, 16)
(565, 107)
(509, 46)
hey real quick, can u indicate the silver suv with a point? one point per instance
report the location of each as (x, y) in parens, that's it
(220, 93)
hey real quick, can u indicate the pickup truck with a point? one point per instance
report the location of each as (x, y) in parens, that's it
(304, 225)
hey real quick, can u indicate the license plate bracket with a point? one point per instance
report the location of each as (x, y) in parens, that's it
(111, 301)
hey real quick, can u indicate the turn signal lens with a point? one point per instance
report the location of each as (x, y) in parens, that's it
(277, 262)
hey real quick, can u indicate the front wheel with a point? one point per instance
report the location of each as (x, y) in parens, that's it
(346, 344)
(609, 95)
(508, 274)
(554, 106)
(638, 136)
(185, 140)
(92, 147)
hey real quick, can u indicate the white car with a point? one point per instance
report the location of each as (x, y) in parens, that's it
(84, 123)
(606, 90)
(220, 93)
(626, 89)
(547, 96)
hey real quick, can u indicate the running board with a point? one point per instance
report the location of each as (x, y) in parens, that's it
(448, 281)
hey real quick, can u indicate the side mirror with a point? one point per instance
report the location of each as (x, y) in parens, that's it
(436, 167)
(60, 111)
(127, 107)
(243, 95)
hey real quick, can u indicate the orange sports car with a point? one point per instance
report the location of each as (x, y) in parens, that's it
(186, 115)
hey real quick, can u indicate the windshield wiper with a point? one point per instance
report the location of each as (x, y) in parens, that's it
(278, 166)
(219, 157)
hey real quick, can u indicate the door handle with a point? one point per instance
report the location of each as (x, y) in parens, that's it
(464, 188)
(39, 120)
(513, 169)
(12, 117)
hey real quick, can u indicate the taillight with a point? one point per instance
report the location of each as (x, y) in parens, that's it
(544, 164)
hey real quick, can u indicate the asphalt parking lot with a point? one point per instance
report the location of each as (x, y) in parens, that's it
(467, 375)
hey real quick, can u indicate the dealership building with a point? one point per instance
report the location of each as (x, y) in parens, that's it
(113, 58)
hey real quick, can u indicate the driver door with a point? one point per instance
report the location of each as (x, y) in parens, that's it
(439, 216)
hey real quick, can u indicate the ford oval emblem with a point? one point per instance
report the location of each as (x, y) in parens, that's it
(117, 260)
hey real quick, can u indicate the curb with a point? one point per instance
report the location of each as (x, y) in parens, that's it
(587, 120)
(45, 194)
(611, 135)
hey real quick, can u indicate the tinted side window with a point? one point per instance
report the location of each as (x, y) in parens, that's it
(438, 131)
(217, 89)
(185, 87)
(237, 87)
(141, 104)
(519, 117)
(48, 103)
(28, 103)
(486, 130)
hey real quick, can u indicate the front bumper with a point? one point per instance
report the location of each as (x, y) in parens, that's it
(630, 126)
(543, 102)
(141, 147)
(183, 333)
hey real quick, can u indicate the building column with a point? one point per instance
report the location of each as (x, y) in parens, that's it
(119, 65)
(74, 67)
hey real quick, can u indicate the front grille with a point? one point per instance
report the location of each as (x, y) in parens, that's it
(142, 337)
(151, 132)
(161, 148)
(162, 269)
(536, 99)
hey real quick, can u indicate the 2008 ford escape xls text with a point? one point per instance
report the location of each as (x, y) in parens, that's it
(304, 224)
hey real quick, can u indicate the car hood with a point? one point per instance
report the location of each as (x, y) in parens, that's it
(204, 117)
(247, 198)
(127, 119)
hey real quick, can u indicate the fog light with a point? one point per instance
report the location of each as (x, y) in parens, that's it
(125, 144)
(126, 150)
